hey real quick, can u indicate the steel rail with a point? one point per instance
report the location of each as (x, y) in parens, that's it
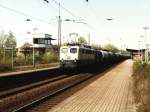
(24, 107)
(30, 86)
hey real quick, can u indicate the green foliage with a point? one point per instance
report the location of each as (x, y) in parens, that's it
(124, 52)
(26, 45)
(50, 57)
(82, 40)
(11, 41)
(6, 42)
(149, 56)
(141, 85)
(26, 49)
(2, 40)
(64, 44)
(138, 66)
(111, 48)
(2, 43)
(5, 66)
(38, 57)
(20, 60)
(96, 47)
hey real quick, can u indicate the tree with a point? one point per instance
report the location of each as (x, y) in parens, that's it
(2, 40)
(26, 49)
(124, 52)
(5, 61)
(96, 46)
(82, 40)
(111, 48)
(10, 41)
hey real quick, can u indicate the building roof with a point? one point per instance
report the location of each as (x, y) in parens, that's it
(48, 37)
(135, 50)
(45, 36)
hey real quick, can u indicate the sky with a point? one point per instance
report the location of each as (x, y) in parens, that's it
(124, 30)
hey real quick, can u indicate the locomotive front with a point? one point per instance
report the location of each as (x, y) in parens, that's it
(69, 56)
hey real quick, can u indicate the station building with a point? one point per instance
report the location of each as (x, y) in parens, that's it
(41, 42)
(137, 54)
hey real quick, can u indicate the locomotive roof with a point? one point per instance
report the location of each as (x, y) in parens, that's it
(78, 44)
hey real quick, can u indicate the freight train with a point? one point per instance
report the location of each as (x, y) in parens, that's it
(76, 56)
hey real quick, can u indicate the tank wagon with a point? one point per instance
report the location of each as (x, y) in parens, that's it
(76, 55)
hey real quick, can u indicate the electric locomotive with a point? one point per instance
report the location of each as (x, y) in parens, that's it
(76, 55)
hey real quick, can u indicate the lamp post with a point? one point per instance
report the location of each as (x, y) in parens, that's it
(141, 36)
(33, 49)
(12, 55)
(59, 23)
(109, 19)
(12, 58)
(139, 48)
(59, 27)
(146, 45)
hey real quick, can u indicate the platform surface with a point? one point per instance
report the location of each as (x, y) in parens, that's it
(7, 74)
(112, 92)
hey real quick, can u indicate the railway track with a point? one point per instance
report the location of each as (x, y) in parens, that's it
(29, 86)
(65, 87)
(37, 94)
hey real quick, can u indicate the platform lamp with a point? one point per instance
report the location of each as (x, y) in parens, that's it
(109, 19)
(33, 50)
(146, 45)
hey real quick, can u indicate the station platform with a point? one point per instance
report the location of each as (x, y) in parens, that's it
(112, 92)
(7, 74)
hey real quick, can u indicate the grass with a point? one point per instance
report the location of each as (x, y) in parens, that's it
(141, 84)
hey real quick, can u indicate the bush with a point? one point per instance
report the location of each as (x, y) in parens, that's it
(5, 66)
(138, 66)
(38, 57)
(141, 85)
(20, 60)
(50, 57)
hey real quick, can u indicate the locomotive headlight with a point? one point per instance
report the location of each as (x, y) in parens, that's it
(75, 60)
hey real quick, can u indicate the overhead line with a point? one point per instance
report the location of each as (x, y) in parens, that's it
(56, 2)
(92, 10)
(47, 4)
(21, 13)
(26, 15)
(65, 9)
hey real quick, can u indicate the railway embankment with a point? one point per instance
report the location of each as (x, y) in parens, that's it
(141, 86)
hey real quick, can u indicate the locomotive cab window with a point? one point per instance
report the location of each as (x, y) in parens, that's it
(64, 50)
(73, 50)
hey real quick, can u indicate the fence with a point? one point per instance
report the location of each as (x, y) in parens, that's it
(10, 59)
(6, 59)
